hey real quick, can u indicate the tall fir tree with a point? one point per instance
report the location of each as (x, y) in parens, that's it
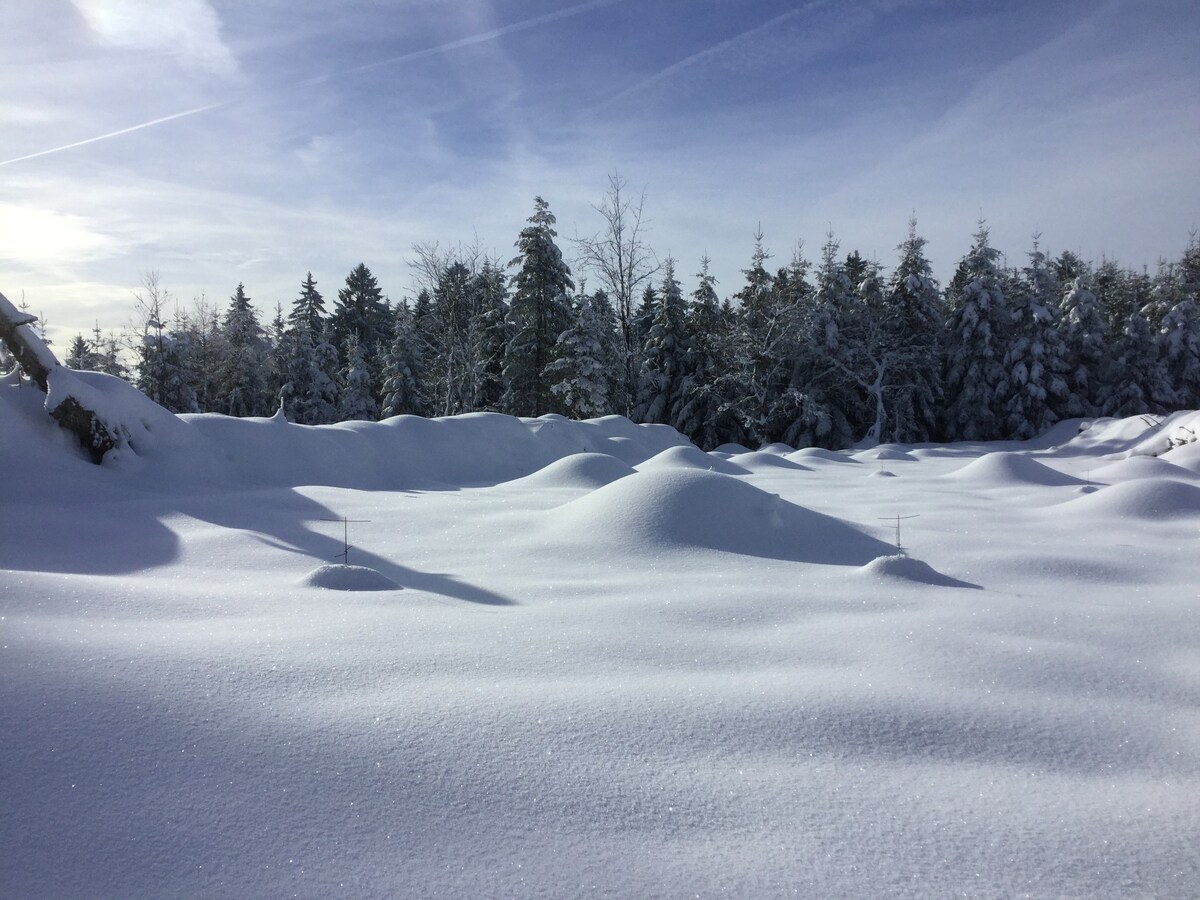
(309, 306)
(1086, 337)
(357, 400)
(450, 364)
(911, 326)
(243, 386)
(1035, 358)
(488, 337)
(835, 339)
(581, 374)
(538, 314)
(700, 420)
(975, 339)
(404, 386)
(1179, 350)
(664, 365)
(361, 310)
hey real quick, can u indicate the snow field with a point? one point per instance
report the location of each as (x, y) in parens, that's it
(602, 674)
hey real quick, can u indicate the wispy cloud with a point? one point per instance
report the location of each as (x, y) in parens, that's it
(189, 30)
(470, 40)
(115, 21)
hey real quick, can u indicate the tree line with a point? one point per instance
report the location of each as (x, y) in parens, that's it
(823, 353)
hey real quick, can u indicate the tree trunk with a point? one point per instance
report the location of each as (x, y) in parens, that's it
(40, 364)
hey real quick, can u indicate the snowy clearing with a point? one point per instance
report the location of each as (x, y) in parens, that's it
(585, 659)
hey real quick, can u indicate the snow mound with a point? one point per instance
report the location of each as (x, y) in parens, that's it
(819, 454)
(1104, 437)
(886, 454)
(580, 470)
(766, 459)
(882, 473)
(685, 508)
(732, 449)
(904, 568)
(777, 448)
(1012, 470)
(1146, 499)
(690, 457)
(1186, 457)
(348, 578)
(1138, 467)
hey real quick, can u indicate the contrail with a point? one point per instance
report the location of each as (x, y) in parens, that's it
(118, 133)
(706, 54)
(472, 40)
(458, 44)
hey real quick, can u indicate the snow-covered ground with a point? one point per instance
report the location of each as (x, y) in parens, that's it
(586, 659)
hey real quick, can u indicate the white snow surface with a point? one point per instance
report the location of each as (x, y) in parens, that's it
(604, 669)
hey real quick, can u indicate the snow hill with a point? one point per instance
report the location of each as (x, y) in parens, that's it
(567, 659)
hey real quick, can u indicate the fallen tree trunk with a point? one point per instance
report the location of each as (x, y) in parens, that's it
(30, 351)
(40, 364)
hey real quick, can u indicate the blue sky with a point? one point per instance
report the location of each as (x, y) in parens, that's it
(298, 135)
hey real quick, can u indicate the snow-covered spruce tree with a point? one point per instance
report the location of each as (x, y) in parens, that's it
(278, 339)
(975, 339)
(296, 350)
(1034, 357)
(760, 351)
(1086, 338)
(705, 329)
(581, 376)
(449, 366)
(538, 314)
(1139, 376)
(403, 385)
(612, 342)
(1175, 305)
(911, 326)
(201, 341)
(1114, 289)
(242, 387)
(836, 330)
(323, 394)
(309, 306)
(660, 397)
(357, 401)
(488, 337)
(309, 395)
(360, 310)
(1179, 350)
(82, 355)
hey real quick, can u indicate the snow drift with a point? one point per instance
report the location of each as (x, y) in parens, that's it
(662, 510)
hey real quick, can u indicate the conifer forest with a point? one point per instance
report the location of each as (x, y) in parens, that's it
(828, 351)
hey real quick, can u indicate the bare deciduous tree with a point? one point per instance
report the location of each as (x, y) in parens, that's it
(621, 260)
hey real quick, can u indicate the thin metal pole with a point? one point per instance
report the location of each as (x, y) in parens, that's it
(898, 519)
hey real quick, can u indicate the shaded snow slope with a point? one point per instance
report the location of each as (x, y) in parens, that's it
(819, 454)
(1001, 470)
(348, 578)
(691, 457)
(686, 508)
(580, 470)
(905, 568)
(1145, 498)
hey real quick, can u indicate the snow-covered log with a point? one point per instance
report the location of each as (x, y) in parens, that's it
(40, 364)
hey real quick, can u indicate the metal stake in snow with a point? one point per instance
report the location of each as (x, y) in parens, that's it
(345, 554)
(897, 520)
